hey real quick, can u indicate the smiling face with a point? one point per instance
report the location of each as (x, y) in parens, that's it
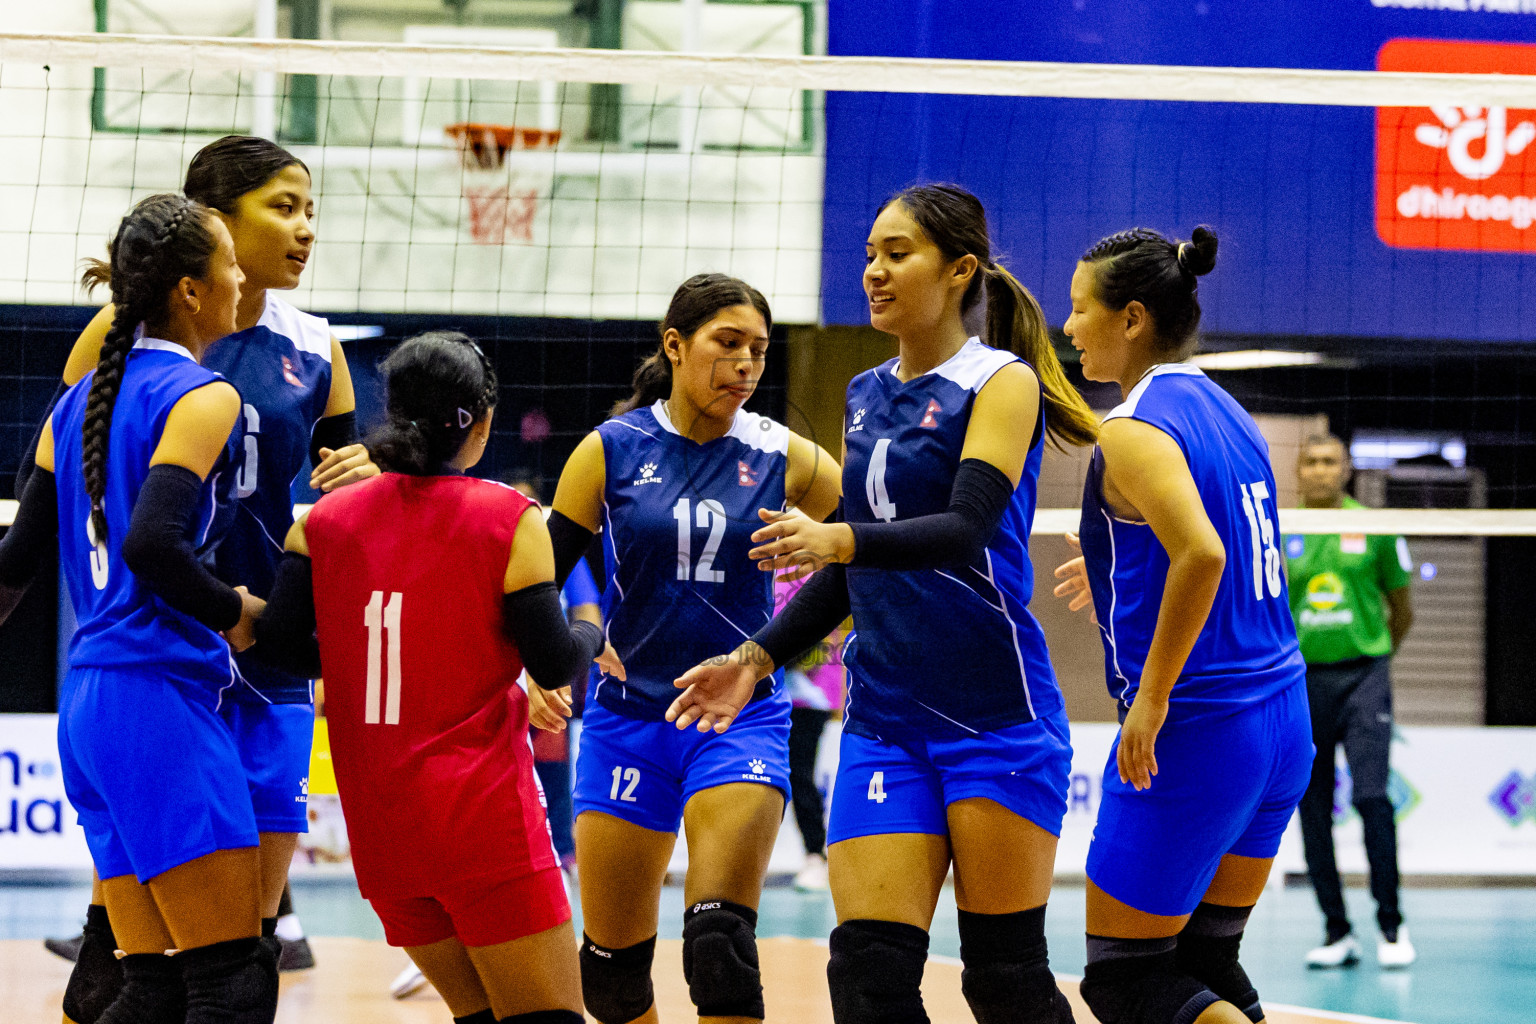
(273, 228)
(1105, 337)
(911, 286)
(717, 369)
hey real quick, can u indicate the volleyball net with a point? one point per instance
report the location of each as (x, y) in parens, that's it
(1376, 275)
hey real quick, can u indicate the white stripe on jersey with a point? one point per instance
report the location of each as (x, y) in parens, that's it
(1128, 407)
(758, 432)
(309, 333)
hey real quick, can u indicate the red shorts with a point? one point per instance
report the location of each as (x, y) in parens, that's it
(482, 913)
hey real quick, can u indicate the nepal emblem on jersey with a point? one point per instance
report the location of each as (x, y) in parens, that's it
(648, 475)
(745, 475)
(931, 417)
(289, 375)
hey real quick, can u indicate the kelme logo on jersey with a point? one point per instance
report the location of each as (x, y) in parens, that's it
(648, 475)
(858, 421)
(289, 374)
(745, 475)
(931, 417)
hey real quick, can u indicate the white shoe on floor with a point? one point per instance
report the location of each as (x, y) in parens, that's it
(1343, 952)
(1397, 954)
(812, 877)
(408, 982)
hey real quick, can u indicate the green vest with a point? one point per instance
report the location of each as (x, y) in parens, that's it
(1338, 585)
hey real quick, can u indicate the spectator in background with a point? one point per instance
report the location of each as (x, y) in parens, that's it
(1350, 598)
(815, 685)
(554, 745)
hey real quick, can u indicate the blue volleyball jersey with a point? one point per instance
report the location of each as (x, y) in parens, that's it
(938, 653)
(120, 621)
(1247, 651)
(282, 368)
(678, 519)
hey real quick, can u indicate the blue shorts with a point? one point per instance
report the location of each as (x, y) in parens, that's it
(275, 742)
(884, 788)
(1226, 784)
(152, 771)
(646, 772)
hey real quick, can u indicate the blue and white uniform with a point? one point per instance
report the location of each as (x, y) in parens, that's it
(678, 519)
(282, 368)
(1235, 752)
(148, 763)
(951, 694)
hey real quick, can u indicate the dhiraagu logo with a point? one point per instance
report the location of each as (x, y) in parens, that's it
(1325, 592)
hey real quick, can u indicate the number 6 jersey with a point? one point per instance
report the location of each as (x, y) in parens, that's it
(938, 653)
(1247, 651)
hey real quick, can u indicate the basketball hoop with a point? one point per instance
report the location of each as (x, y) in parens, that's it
(503, 199)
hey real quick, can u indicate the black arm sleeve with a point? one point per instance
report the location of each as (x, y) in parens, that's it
(554, 653)
(31, 538)
(950, 539)
(29, 457)
(159, 549)
(285, 633)
(815, 611)
(332, 432)
(570, 540)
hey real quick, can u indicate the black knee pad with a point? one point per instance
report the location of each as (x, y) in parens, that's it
(1137, 981)
(1007, 975)
(97, 976)
(231, 982)
(720, 959)
(1208, 952)
(484, 1016)
(152, 992)
(875, 972)
(616, 983)
(545, 1017)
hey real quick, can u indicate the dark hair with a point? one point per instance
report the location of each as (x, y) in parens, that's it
(225, 170)
(162, 240)
(955, 221)
(1142, 265)
(439, 384)
(1324, 437)
(693, 305)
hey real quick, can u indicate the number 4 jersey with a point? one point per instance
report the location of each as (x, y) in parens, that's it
(428, 727)
(1247, 651)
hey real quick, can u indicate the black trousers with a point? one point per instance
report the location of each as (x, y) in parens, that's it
(1351, 703)
(805, 726)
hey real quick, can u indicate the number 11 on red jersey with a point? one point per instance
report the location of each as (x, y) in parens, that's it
(384, 618)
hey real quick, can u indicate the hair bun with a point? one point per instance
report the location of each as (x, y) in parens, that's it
(1198, 255)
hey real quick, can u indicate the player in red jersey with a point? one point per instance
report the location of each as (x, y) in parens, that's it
(423, 594)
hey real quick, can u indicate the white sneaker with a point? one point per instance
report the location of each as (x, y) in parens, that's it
(1396, 954)
(812, 877)
(408, 982)
(1344, 952)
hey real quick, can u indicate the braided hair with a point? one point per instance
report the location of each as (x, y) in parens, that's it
(1146, 266)
(694, 304)
(955, 221)
(162, 240)
(439, 384)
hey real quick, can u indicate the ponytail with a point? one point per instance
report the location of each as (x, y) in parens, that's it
(1016, 322)
(652, 383)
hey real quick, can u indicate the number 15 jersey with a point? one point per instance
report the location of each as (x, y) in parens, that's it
(1247, 651)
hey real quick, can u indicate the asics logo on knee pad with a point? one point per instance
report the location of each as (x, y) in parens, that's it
(699, 908)
(599, 951)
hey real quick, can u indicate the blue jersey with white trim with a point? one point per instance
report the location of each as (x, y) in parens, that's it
(120, 621)
(941, 653)
(1247, 651)
(282, 368)
(678, 519)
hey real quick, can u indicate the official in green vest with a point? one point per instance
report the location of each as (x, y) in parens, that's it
(1350, 597)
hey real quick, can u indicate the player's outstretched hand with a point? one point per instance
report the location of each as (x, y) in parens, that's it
(795, 542)
(1137, 757)
(548, 709)
(1074, 582)
(715, 691)
(341, 467)
(609, 662)
(243, 633)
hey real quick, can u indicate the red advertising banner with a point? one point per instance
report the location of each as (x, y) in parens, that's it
(1457, 177)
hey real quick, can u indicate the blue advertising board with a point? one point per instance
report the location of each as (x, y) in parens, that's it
(1334, 221)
